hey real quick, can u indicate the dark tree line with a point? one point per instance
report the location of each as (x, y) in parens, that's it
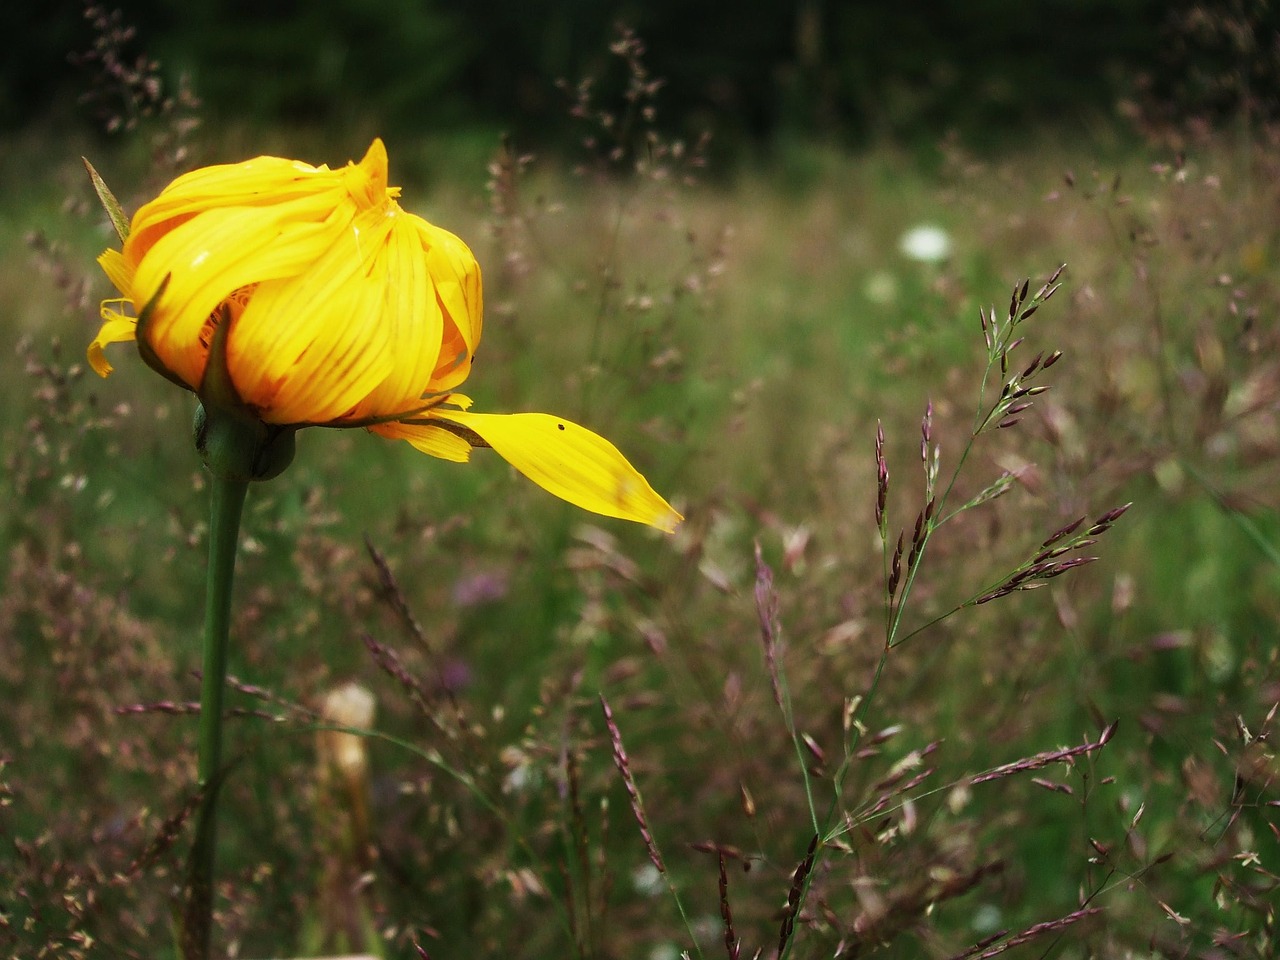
(849, 69)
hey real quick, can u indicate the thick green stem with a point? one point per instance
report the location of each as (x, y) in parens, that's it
(224, 528)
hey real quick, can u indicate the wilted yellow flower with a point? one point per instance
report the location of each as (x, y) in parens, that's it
(306, 296)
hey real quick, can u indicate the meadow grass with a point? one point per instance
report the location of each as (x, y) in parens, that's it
(740, 337)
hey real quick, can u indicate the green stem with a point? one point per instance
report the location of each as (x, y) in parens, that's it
(224, 529)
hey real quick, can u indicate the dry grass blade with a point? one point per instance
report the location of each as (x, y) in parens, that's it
(395, 596)
(799, 880)
(385, 656)
(166, 836)
(984, 950)
(389, 661)
(732, 945)
(171, 707)
(623, 763)
(1046, 758)
(767, 613)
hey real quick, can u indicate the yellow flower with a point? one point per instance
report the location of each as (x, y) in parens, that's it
(311, 298)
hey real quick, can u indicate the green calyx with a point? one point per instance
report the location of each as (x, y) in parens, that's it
(240, 448)
(234, 444)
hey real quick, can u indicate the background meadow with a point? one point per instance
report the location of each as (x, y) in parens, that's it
(1082, 770)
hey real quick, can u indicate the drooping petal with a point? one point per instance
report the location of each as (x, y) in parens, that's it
(428, 438)
(571, 462)
(116, 328)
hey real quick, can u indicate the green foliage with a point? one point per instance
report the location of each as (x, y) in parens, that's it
(306, 61)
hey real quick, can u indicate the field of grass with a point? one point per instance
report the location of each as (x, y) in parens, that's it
(1076, 771)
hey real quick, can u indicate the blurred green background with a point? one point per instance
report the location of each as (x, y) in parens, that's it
(738, 316)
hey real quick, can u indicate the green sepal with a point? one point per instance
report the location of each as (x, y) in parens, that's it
(217, 388)
(149, 356)
(115, 212)
(234, 444)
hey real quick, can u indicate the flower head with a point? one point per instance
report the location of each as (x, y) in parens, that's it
(301, 296)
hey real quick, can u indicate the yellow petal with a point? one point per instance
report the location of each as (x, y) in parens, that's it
(118, 270)
(208, 259)
(260, 182)
(309, 348)
(413, 321)
(571, 462)
(456, 275)
(366, 181)
(116, 328)
(433, 440)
